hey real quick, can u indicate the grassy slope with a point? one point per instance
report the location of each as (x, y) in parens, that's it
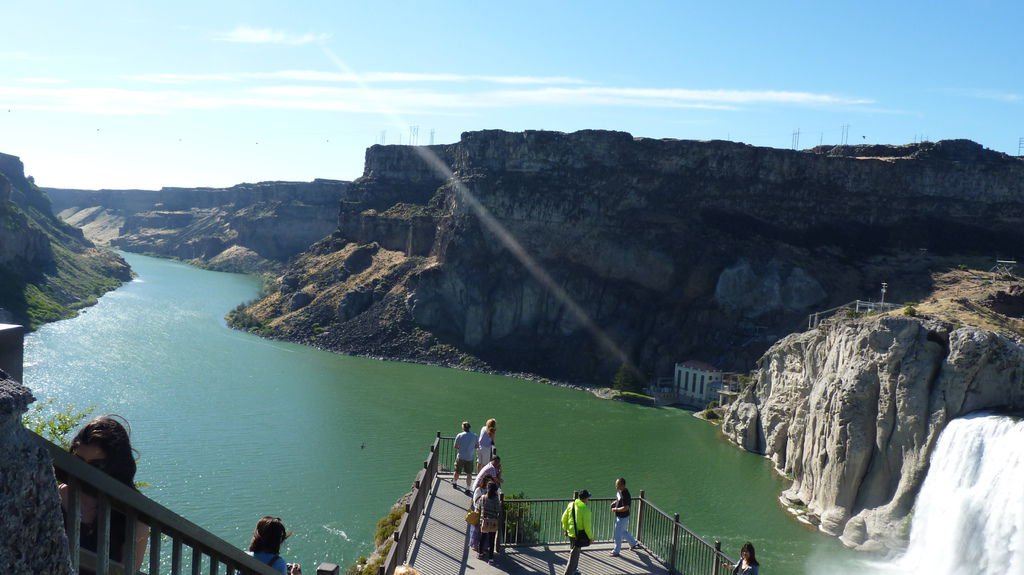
(78, 274)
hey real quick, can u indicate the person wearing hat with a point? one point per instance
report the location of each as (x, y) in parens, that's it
(266, 545)
(575, 519)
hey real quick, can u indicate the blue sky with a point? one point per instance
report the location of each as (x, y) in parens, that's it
(147, 94)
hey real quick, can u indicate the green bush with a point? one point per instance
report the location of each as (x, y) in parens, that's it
(520, 522)
(910, 311)
(388, 525)
(57, 425)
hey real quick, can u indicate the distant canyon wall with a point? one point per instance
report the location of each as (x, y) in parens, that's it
(242, 228)
(852, 411)
(674, 249)
(48, 269)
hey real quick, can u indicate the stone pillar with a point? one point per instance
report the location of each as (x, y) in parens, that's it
(32, 539)
(11, 349)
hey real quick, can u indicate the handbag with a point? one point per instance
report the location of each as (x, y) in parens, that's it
(473, 517)
(489, 525)
(581, 539)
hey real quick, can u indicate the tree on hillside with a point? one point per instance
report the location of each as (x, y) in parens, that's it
(628, 378)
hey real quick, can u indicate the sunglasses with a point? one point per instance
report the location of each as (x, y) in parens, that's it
(99, 462)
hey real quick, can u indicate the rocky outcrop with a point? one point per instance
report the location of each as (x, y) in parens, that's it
(852, 410)
(566, 254)
(47, 268)
(247, 227)
(34, 541)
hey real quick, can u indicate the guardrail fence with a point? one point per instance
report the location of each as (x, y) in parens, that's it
(533, 522)
(192, 549)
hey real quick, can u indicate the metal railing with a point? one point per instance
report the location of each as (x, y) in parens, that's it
(533, 522)
(447, 453)
(191, 547)
(421, 488)
(855, 306)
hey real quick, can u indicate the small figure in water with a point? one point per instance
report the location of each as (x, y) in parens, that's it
(362, 446)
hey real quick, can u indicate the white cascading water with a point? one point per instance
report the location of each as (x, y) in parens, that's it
(969, 516)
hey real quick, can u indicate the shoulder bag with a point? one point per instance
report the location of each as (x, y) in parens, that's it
(581, 539)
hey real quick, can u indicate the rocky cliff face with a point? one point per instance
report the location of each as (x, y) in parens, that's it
(243, 228)
(852, 410)
(47, 268)
(538, 246)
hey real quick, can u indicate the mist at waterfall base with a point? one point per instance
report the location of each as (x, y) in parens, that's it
(969, 515)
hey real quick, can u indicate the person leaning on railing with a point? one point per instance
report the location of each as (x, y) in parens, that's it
(104, 443)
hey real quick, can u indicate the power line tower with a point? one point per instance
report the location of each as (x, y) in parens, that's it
(383, 137)
(414, 135)
(796, 139)
(845, 137)
(431, 136)
(1020, 147)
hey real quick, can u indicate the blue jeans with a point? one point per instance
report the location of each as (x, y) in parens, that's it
(621, 523)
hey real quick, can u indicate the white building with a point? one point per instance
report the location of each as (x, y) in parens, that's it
(697, 383)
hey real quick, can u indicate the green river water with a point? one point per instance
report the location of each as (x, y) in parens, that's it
(231, 427)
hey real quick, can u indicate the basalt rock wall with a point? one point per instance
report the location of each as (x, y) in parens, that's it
(47, 268)
(264, 223)
(564, 254)
(852, 410)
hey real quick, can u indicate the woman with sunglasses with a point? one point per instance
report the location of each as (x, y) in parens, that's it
(104, 444)
(266, 545)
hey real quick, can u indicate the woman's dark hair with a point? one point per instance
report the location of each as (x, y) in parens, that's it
(268, 535)
(492, 490)
(749, 548)
(109, 434)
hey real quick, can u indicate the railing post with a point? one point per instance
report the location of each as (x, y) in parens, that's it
(674, 544)
(718, 558)
(499, 537)
(12, 350)
(328, 569)
(640, 517)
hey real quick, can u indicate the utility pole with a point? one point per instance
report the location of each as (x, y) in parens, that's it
(844, 138)
(1020, 147)
(796, 139)
(431, 136)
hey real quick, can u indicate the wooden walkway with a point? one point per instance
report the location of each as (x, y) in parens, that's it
(441, 546)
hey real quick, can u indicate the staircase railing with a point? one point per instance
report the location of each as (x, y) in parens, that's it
(191, 547)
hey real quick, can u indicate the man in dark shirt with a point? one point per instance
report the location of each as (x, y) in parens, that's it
(621, 508)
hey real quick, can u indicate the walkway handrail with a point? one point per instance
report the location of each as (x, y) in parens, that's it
(208, 551)
(421, 487)
(531, 522)
(814, 319)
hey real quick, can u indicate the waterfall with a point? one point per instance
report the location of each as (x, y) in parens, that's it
(969, 516)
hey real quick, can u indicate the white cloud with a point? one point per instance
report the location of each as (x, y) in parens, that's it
(21, 56)
(401, 100)
(368, 78)
(248, 35)
(41, 80)
(997, 95)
